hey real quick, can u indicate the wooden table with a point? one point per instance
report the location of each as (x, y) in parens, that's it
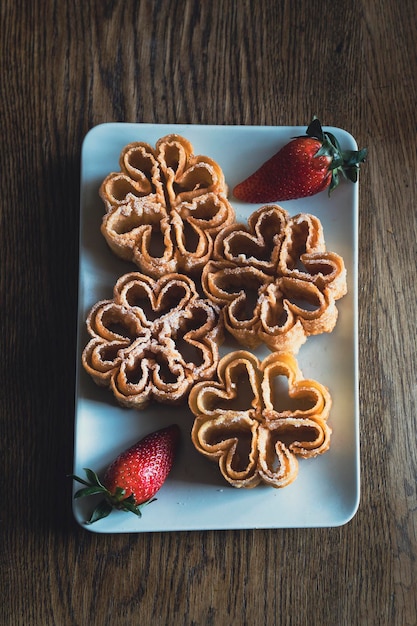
(66, 67)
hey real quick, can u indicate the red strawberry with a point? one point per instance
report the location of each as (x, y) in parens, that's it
(303, 167)
(135, 475)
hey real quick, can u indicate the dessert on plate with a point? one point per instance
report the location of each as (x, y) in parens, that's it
(153, 340)
(254, 426)
(164, 207)
(274, 279)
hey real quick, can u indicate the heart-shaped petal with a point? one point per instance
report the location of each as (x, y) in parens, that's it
(126, 226)
(237, 388)
(258, 244)
(238, 290)
(315, 309)
(150, 373)
(209, 212)
(232, 442)
(112, 321)
(286, 394)
(186, 176)
(193, 246)
(304, 256)
(277, 466)
(152, 299)
(118, 188)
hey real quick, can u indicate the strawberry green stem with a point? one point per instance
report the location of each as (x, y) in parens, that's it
(110, 501)
(343, 163)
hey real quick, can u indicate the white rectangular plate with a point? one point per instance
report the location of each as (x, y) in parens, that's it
(195, 496)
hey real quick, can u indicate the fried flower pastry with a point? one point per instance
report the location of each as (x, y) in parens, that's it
(257, 418)
(165, 206)
(275, 280)
(257, 309)
(153, 340)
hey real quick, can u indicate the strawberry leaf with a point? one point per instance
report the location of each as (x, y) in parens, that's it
(131, 507)
(351, 173)
(334, 181)
(92, 477)
(92, 490)
(78, 479)
(331, 139)
(353, 157)
(315, 130)
(324, 150)
(102, 510)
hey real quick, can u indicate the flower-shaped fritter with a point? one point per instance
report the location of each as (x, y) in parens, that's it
(153, 340)
(258, 418)
(275, 280)
(165, 206)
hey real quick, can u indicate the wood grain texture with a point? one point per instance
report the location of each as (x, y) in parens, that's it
(65, 67)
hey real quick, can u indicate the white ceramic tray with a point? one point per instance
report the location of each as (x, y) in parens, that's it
(195, 496)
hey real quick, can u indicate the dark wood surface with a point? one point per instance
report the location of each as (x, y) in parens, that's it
(67, 66)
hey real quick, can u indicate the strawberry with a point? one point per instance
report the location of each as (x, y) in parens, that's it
(303, 167)
(134, 477)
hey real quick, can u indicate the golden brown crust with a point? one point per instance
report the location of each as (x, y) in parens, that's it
(185, 175)
(304, 256)
(165, 206)
(252, 426)
(256, 244)
(275, 280)
(153, 340)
